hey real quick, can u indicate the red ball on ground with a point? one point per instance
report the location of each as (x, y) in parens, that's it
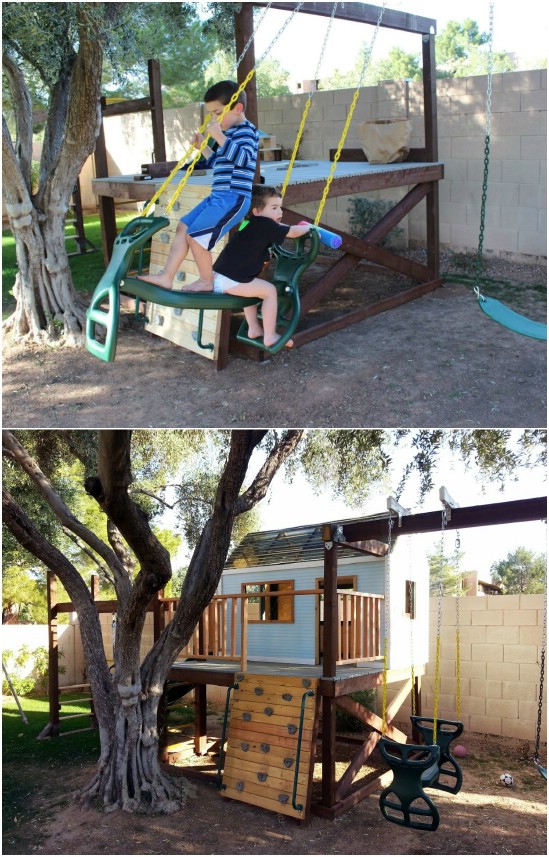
(459, 751)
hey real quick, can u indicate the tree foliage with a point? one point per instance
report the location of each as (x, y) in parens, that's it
(522, 571)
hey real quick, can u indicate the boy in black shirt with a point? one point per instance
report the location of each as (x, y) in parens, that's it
(239, 263)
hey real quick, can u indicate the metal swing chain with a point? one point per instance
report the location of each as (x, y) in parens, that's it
(386, 634)
(458, 642)
(541, 677)
(412, 606)
(226, 109)
(344, 133)
(478, 264)
(307, 107)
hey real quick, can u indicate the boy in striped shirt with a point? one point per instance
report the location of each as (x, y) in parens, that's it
(234, 162)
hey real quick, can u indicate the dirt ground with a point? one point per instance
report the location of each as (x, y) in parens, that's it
(484, 818)
(437, 361)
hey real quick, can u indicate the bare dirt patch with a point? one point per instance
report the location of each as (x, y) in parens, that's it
(437, 361)
(484, 818)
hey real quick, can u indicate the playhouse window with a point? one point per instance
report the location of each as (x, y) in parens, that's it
(270, 608)
(410, 599)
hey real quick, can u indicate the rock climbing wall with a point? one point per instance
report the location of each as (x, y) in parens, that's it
(271, 738)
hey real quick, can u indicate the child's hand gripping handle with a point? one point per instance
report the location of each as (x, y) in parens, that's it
(329, 238)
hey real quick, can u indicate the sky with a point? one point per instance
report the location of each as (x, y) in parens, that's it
(293, 505)
(518, 27)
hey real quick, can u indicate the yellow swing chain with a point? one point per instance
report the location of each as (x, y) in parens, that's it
(224, 112)
(458, 642)
(349, 119)
(439, 625)
(307, 107)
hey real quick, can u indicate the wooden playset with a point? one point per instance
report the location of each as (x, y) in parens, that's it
(346, 173)
(290, 636)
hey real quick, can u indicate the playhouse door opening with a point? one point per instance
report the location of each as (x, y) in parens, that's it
(348, 582)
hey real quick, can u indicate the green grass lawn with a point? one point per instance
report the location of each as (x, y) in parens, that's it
(36, 775)
(86, 268)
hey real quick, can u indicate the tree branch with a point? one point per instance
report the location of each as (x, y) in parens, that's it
(102, 568)
(260, 485)
(22, 105)
(63, 513)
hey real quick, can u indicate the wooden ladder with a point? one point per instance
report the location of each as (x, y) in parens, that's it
(271, 738)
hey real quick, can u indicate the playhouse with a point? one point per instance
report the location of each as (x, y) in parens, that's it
(282, 574)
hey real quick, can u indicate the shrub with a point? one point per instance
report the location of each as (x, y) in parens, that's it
(18, 667)
(346, 722)
(364, 214)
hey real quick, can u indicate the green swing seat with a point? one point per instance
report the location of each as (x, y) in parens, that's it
(447, 731)
(404, 801)
(290, 267)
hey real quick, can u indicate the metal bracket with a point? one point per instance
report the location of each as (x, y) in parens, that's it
(394, 506)
(447, 501)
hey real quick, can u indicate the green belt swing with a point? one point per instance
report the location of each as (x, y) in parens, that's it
(493, 308)
(289, 269)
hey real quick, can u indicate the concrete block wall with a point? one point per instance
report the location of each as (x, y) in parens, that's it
(516, 217)
(500, 648)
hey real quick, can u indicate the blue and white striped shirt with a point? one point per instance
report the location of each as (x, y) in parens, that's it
(234, 163)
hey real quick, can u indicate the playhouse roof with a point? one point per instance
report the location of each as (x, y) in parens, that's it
(279, 547)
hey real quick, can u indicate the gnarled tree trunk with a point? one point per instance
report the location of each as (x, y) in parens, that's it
(48, 308)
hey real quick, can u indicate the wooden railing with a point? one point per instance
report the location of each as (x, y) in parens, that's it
(218, 632)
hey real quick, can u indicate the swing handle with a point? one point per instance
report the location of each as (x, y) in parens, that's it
(329, 238)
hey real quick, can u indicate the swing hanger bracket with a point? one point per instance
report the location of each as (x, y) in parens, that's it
(394, 506)
(447, 501)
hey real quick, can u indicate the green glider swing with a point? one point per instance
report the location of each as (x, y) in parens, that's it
(290, 266)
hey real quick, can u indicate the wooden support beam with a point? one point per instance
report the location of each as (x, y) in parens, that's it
(489, 514)
(364, 13)
(367, 546)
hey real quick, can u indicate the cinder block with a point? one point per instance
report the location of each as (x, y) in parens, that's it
(523, 80)
(487, 689)
(530, 673)
(487, 725)
(475, 634)
(522, 729)
(474, 705)
(533, 147)
(532, 245)
(523, 172)
(489, 617)
(518, 690)
(477, 669)
(520, 617)
(520, 654)
(503, 635)
(503, 672)
(506, 102)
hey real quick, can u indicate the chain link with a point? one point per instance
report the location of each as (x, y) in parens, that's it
(458, 642)
(541, 673)
(478, 264)
(344, 133)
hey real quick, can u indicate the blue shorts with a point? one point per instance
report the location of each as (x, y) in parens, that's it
(212, 218)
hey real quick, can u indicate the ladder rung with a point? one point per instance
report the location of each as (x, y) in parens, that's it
(72, 716)
(74, 701)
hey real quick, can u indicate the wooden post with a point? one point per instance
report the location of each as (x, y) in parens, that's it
(243, 28)
(53, 655)
(431, 153)
(329, 659)
(157, 113)
(201, 728)
(244, 635)
(107, 212)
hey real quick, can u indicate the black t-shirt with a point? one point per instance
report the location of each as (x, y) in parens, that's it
(244, 256)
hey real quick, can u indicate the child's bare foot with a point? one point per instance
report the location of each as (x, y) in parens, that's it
(255, 331)
(156, 280)
(269, 341)
(199, 286)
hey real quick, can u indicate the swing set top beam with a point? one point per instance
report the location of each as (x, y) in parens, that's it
(510, 512)
(364, 13)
